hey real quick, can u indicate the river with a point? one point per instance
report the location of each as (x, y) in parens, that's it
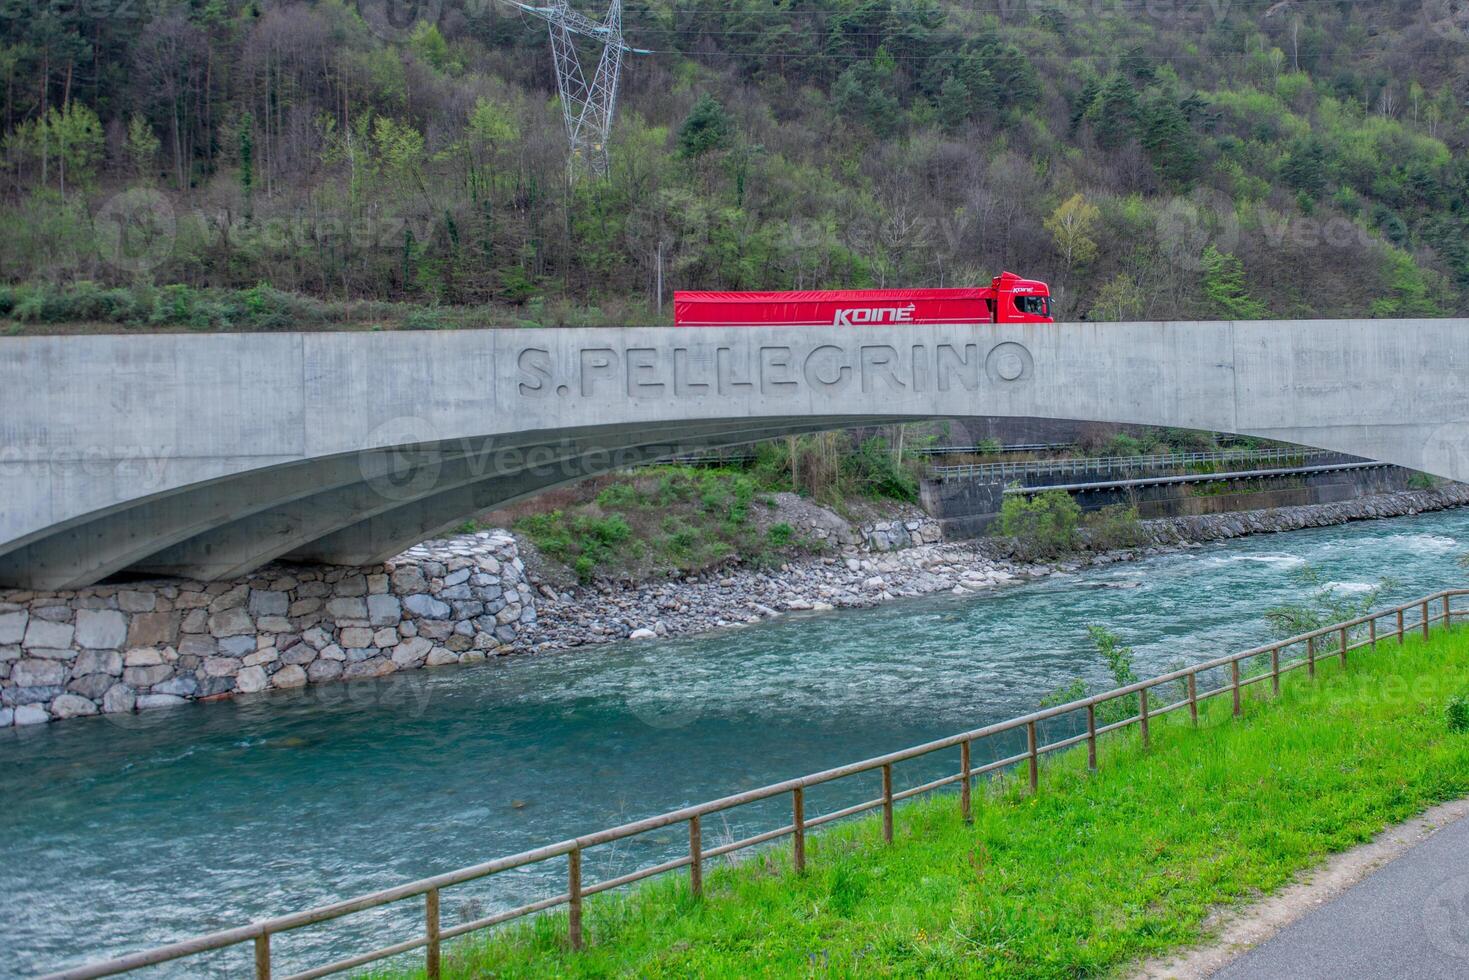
(125, 832)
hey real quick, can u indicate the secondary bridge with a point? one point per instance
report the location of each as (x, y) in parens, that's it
(208, 456)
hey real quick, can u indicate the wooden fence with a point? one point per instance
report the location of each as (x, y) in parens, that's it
(1336, 640)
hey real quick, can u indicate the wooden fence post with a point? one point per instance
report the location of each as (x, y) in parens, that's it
(887, 802)
(573, 881)
(798, 824)
(1031, 746)
(696, 857)
(1091, 737)
(1234, 679)
(1142, 715)
(431, 931)
(262, 956)
(964, 790)
(1193, 698)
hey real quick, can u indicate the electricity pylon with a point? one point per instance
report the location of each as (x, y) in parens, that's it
(586, 107)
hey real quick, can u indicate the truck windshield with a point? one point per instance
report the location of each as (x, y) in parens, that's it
(1033, 305)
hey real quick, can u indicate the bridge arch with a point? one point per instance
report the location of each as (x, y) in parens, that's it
(209, 456)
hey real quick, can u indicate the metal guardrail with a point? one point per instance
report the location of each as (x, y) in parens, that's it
(1343, 638)
(716, 458)
(1018, 447)
(1156, 481)
(1081, 465)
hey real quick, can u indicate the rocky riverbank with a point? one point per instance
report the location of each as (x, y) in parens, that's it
(609, 612)
(117, 649)
(114, 650)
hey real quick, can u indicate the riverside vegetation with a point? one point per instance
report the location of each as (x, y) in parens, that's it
(1192, 161)
(670, 519)
(1092, 873)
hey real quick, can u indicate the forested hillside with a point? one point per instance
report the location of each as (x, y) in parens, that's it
(1178, 158)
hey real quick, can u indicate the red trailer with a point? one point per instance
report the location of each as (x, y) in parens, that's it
(1008, 299)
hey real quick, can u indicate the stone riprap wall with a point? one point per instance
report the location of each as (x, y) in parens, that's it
(905, 532)
(147, 645)
(1220, 527)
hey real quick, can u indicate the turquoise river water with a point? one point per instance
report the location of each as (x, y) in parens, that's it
(121, 833)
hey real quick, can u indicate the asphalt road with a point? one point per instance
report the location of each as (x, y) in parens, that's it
(1409, 919)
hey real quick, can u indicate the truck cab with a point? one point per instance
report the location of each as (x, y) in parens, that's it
(1017, 300)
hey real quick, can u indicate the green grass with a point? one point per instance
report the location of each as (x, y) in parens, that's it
(1082, 879)
(664, 519)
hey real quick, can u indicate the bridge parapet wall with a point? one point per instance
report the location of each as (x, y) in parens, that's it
(209, 457)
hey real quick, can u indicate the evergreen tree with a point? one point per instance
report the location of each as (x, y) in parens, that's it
(706, 128)
(953, 107)
(1304, 168)
(1114, 114)
(1224, 287)
(1171, 144)
(1084, 100)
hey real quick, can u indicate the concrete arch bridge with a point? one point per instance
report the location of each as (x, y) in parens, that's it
(208, 456)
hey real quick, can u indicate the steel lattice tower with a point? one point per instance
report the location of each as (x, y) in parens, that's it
(587, 107)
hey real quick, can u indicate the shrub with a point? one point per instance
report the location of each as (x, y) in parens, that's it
(1043, 526)
(877, 472)
(1458, 713)
(582, 541)
(1120, 665)
(426, 318)
(619, 495)
(780, 534)
(1123, 444)
(1114, 527)
(267, 308)
(1320, 604)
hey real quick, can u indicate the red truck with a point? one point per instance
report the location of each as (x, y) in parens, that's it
(1008, 299)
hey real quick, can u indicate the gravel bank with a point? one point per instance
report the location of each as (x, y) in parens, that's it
(858, 578)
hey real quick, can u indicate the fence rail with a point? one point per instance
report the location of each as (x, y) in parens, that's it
(720, 457)
(1336, 640)
(1081, 465)
(1159, 481)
